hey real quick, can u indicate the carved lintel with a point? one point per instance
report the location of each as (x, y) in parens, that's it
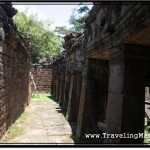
(117, 56)
(129, 52)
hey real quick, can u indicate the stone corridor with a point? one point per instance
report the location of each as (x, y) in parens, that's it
(98, 81)
(45, 124)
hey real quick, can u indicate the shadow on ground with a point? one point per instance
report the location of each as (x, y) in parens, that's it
(52, 97)
(73, 126)
(59, 109)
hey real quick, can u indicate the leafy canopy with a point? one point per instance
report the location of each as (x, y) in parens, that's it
(45, 42)
(77, 18)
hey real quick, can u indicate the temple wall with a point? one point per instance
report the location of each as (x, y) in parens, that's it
(105, 75)
(42, 75)
(14, 71)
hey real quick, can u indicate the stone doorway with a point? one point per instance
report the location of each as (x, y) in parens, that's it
(98, 77)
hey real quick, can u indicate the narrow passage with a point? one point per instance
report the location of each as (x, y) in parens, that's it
(45, 123)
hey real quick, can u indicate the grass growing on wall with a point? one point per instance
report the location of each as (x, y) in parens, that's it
(15, 129)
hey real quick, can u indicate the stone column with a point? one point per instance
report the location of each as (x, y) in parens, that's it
(66, 92)
(69, 107)
(59, 83)
(62, 87)
(65, 88)
(56, 87)
(126, 93)
(52, 85)
(79, 82)
(72, 102)
(83, 122)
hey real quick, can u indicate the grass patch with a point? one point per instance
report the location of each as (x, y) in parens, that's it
(24, 116)
(147, 131)
(13, 132)
(15, 129)
(43, 97)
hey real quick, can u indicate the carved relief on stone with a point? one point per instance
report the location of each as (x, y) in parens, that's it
(89, 36)
(100, 20)
(78, 61)
(110, 15)
(93, 25)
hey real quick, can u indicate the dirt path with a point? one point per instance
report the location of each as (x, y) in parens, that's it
(45, 124)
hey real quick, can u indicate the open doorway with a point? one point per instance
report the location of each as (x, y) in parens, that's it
(99, 74)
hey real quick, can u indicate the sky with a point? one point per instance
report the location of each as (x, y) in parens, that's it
(59, 14)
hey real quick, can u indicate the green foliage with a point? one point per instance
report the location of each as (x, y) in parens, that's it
(83, 9)
(62, 30)
(77, 19)
(45, 42)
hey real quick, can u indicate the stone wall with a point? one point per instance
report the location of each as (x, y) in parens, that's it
(66, 81)
(113, 67)
(14, 69)
(42, 74)
(116, 33)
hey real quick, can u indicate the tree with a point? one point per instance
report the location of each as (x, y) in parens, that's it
(62, 31)
(45, 42)
(77, 18)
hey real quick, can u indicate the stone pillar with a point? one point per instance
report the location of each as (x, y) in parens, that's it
(65, 88)
(62, 87)
(72, 102)
(56, 87)
(69, 107)
(66, 92)
(126, 93)
(52, 87)
(81, 103)
(58, 82)
(84, 116)
(79, 82)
